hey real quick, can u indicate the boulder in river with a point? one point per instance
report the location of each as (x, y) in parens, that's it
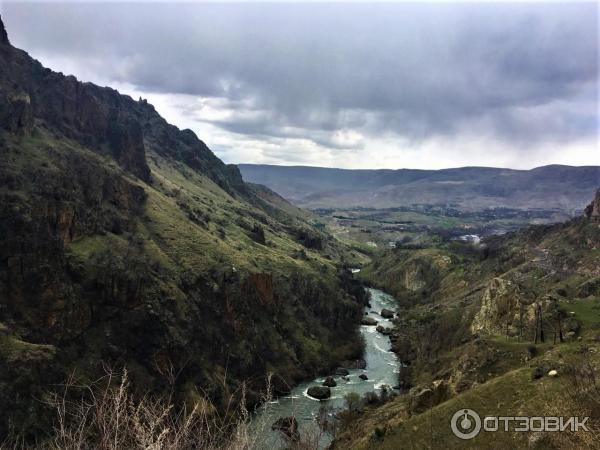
(288, 426)
(363, 376)
(387, 313)
(383, 330)
(319, 392)
(369, 321)
(329, 382)
(342, 371)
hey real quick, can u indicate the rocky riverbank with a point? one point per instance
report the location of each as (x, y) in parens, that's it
(377, 370)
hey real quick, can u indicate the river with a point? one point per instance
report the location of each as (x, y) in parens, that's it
(382, 369)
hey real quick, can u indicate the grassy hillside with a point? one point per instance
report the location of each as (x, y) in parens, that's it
(124, 242)
(480, 328)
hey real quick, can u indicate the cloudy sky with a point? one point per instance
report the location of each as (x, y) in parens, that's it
(343, 85)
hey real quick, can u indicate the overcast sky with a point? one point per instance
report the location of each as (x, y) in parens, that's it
(343, 85)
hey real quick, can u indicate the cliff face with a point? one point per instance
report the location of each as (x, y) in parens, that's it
(125, 241)
(592, 211)
(492, 326)
(99, 118)
(3, 35)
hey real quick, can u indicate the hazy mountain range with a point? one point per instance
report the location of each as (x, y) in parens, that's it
(563, 187)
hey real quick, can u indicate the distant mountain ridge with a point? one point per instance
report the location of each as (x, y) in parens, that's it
(553, 186)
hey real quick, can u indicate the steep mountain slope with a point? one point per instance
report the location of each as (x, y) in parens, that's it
(481, 328)
(124, 241)
(470, 188)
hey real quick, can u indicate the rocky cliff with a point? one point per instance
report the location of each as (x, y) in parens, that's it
(99, 118)
(504, 324)
(3, 34)
(592, 211)
(126, 242)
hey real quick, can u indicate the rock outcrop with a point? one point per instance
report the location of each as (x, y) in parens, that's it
(592, 211)
(16, 114)
(319, 392)
(103, 264)
(387, 313)
(424, 398)
(341, 371)
(95, 117)
(100, 118)
(499, 306)
(329, 382)
(3, 35)
(369, 321)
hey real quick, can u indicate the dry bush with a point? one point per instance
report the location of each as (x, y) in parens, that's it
(106, 416)
(316, 435)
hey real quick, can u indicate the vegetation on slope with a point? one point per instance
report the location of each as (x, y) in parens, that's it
(465, 188)
(125, 242)
(481, 328)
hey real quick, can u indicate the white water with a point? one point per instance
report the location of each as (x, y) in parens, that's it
(382, 369)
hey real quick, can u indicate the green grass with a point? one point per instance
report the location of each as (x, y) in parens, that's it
(587, 311)
(222, 241)
(187, 252)
(87, 246)
(512, 394)
(502, 366)
(13, 349)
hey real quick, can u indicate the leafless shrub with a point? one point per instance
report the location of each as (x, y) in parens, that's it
(316, 435)
(107, 416)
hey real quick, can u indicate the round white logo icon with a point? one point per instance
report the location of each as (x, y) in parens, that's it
(465, 424)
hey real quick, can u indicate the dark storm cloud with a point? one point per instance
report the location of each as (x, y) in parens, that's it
(521, 73)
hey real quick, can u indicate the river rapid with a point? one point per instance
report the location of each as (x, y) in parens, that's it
(382, 369)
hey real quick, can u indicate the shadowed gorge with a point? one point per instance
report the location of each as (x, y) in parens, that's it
(156, 295)
(125, 242)
(505, 326)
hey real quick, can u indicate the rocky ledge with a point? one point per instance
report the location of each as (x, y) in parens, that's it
(592, 211)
